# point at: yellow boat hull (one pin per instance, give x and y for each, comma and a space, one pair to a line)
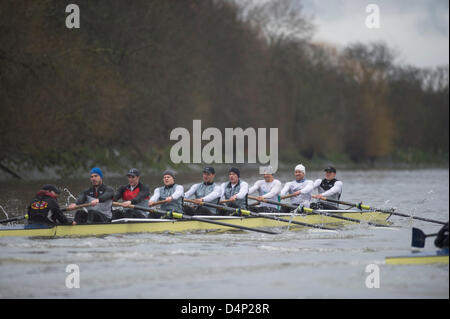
439, 257
177, 226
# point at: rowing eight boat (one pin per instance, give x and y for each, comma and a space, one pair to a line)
175, 226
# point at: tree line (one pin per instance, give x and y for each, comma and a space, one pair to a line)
112, 90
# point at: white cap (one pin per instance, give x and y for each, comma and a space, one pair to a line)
266, 170
300, 167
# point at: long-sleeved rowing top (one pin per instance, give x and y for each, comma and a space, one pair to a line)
331, 189
269, 191
103, 193
305, 186
138, 195
209, 192
175, 191
240, 190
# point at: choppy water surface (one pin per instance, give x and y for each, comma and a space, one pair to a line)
301, 264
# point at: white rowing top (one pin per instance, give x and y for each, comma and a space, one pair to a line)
269, 191
335, 190
305, 186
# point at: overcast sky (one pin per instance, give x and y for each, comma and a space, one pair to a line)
417, 29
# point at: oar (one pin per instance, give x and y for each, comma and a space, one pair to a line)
184, 216
312, 211
418, 237
250, 213
12, 219
361, 206
285, 197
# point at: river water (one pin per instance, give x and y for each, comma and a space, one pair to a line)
300, 264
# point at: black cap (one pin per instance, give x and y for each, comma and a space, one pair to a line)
209, 170
50, 187
235, 170
133, 172
330, 169
169, 172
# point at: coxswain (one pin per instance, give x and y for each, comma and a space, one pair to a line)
329, 187
206, 192
100, 196
235, 191
268, 188
299, 190
44, 208
170, 193
441, 240
135, 193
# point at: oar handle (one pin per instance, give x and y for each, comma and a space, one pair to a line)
256, 198
226, 201
274, 202
288, 196
193, 201
148, 209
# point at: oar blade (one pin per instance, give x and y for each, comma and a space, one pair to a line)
418, 238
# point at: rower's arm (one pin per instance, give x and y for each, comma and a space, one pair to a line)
336, 189
308, 187
144, 191
179, 192
155, 196
243, 191
119, 193
216, 193
274, 191
285, 189
317, 183
81, 199
254, 188
191, 191
107, 195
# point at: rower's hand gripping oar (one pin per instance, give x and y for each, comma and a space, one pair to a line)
387, 211
244, 212
175, 215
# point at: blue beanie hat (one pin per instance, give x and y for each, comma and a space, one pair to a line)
97, 171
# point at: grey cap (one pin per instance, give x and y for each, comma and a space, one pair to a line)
209, 170
133, 172
169, 172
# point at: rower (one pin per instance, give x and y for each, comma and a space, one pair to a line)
208, 191
235, 191
44, 208
135, 193
441, 240
100, 196
268, 188
298, 190
170, 193
329, 187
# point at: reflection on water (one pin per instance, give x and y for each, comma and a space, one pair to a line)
301, 264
